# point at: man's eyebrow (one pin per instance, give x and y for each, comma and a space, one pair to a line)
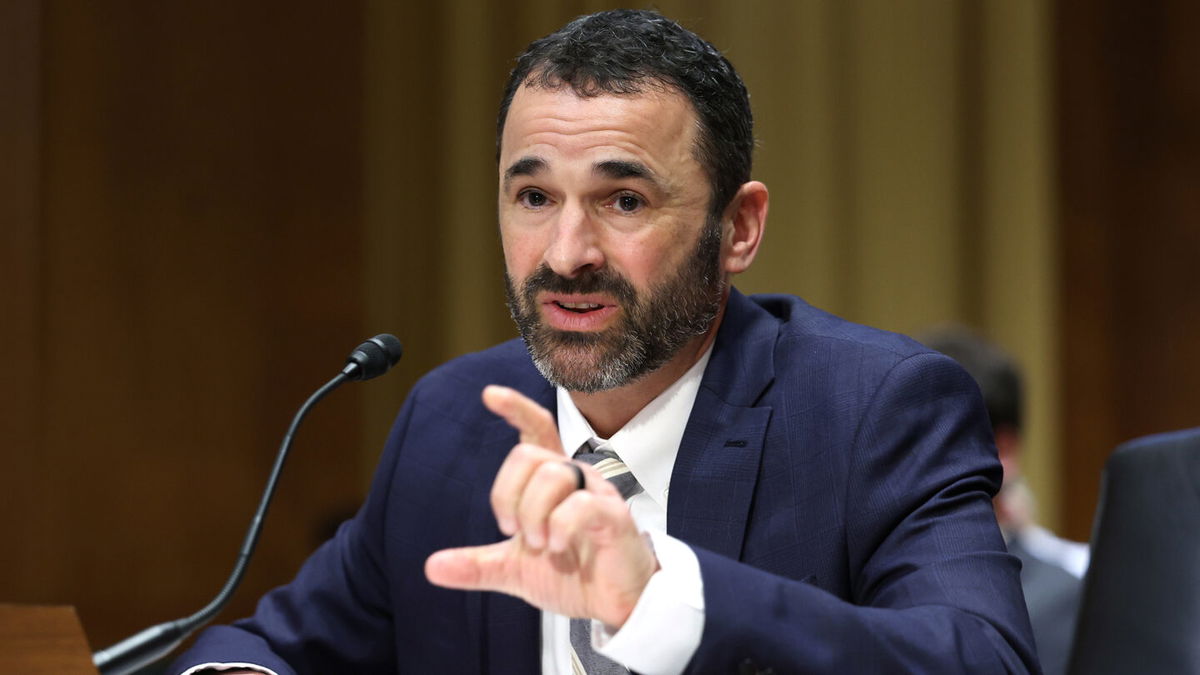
526, 166
621, 168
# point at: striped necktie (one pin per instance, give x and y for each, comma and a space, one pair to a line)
604, 460
584, 661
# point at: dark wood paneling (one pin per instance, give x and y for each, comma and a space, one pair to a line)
20, 278
200, 248
1129, 130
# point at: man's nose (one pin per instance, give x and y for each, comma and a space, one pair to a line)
576, 243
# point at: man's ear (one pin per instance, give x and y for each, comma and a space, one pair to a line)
747, 216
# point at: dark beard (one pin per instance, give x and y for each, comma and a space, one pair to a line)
650, 331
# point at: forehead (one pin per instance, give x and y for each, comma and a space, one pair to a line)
658, 126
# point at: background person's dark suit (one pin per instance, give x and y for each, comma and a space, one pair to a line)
823, 462
1052, 594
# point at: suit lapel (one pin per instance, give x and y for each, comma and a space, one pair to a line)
715, 474
716, 471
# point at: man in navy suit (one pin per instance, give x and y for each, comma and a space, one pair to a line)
829, 485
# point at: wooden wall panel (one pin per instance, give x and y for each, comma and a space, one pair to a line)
199, 256
20, 277
1129, 129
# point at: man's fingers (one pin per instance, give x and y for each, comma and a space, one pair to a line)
550, 484
531, 483
474, 568
535, 423
513, 479
596, 563
566, 520
600, 518
532, 480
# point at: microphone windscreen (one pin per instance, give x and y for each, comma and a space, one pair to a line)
373, 357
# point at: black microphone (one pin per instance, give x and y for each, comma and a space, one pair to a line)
370, 359
373, 357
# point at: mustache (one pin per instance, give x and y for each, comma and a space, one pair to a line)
603, 280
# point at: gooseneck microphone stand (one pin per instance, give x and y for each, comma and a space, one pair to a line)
370, 359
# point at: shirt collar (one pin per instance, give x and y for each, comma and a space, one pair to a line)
648, 443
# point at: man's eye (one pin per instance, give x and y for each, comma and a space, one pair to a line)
533, 198
628, 203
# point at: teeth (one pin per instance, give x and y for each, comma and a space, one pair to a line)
578, 305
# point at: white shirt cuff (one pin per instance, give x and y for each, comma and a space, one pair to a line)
663, 632
219, 667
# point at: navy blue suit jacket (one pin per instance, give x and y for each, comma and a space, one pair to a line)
834, 480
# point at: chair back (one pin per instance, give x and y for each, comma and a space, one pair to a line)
1140, 611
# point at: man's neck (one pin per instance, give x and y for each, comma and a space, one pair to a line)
609, 411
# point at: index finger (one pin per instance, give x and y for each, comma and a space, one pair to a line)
532, 421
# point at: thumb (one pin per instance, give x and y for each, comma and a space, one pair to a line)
475, 568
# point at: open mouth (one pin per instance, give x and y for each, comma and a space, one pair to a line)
579, 307
578, 314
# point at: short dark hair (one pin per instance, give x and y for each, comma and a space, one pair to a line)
994, 371
624, 52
